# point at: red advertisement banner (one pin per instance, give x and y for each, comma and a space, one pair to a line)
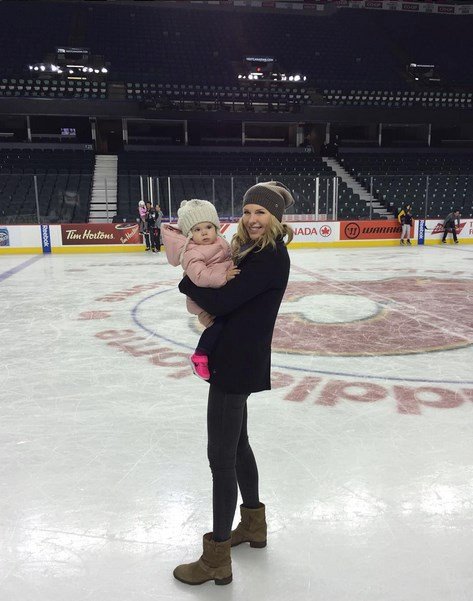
438, 229
371, 230
79, 234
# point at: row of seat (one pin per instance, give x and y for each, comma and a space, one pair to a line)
401, 99
61, 181
209, 175
434, 183
219, 175
192, 45
53, 88
141, 92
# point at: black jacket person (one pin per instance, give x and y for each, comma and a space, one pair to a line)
239, 365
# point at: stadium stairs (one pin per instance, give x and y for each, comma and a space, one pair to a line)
103, 205
358, 188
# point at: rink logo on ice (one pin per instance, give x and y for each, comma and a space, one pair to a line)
4, 237
359, 321
317, 390
45, 238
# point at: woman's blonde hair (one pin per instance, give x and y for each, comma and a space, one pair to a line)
275, 230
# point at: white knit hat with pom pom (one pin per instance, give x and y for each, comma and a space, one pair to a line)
192, 212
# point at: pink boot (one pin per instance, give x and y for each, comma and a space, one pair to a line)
200, 366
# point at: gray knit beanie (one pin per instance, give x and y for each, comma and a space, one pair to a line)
196, 211
273, 196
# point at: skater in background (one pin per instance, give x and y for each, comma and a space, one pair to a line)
157, 228
153, 221
206, 259
143, 216
405, 219
240, 365
450, 225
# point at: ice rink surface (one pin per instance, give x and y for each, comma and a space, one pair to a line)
364, 446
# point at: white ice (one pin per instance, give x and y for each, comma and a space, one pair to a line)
365, 448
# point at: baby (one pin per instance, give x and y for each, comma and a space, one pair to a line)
206, 259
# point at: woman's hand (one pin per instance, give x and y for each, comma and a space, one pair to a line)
232, 272
206, 319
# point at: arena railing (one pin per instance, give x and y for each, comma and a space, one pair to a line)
69, 197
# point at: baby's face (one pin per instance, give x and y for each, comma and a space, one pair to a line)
204, 233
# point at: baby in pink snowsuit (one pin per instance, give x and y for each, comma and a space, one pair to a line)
206, 258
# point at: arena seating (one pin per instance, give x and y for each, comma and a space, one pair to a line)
186, 46
53, 88
195, 174
190, 47
63, 179
399, 98
204, 94
413, 178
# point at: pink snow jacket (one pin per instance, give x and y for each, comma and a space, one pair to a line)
206, 265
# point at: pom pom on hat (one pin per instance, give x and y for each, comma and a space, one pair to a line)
273, 196
192, 212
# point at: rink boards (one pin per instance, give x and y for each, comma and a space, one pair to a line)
125, 237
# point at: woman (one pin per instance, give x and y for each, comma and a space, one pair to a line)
239, 365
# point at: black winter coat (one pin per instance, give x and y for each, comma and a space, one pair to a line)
240, 362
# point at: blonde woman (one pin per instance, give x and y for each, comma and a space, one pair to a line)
239, 365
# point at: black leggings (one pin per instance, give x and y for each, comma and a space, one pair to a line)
231, 459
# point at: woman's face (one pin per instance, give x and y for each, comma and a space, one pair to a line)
256, 220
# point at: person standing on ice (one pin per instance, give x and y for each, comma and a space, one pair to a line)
450, 225
239, 365
143, 213
205, 257
405, 219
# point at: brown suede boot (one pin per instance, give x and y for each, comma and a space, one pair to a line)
252, 528
214, 564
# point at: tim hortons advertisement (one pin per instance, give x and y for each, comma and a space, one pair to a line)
100, 233
371, 230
